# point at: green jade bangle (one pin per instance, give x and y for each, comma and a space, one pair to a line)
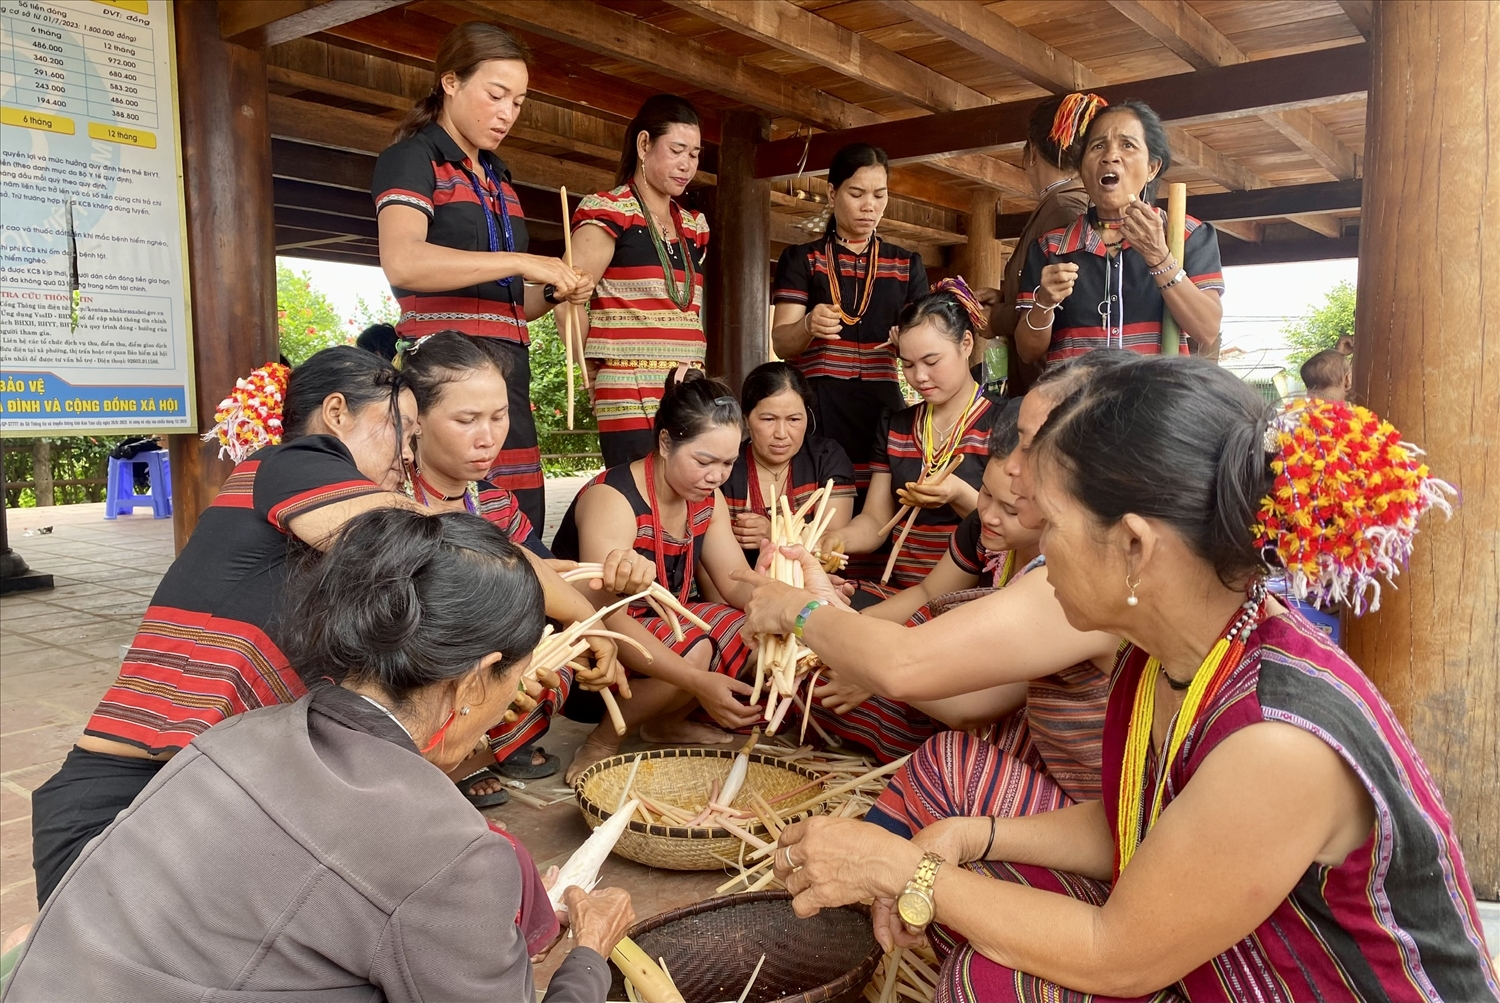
800, 624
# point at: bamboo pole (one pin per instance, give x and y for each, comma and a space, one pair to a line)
1171, 334
566, 328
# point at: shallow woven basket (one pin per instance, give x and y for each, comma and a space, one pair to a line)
682, 777
711, 949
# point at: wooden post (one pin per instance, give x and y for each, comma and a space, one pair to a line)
1427, 357
738, 283
981, 261
226, 154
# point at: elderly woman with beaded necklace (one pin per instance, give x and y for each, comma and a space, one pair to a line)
1267, 827
646, 316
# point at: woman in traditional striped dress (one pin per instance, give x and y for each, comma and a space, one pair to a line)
669, 508
782, 457
332, 436
934, 336
1267, 829
891, 688
646, 317
463, 415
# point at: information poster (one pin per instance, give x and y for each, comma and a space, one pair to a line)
94, 319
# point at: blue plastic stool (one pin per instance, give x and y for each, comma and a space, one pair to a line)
119, 494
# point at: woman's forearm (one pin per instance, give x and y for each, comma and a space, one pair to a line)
862, 535
1198, 313
792, 338
965, 498
663, 663
432, 268
1032, 342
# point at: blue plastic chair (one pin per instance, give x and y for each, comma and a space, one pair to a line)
119, 494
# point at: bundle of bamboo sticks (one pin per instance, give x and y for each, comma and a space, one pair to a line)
905, 974
928, 477
780, 658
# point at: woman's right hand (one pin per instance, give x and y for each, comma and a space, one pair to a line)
554, 272
823, 322
716, 694
838, 695
1057, 283
599, 919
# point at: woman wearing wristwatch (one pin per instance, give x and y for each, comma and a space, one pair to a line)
452, 237
1107, 279
839, 333
646, 315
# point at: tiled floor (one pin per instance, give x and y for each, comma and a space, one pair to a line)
59, 650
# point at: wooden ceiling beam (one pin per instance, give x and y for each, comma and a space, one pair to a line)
988, 35
1321, 224
1250, 231
1180, 27
1199, 97
258, 23
590, 26
1276, 252
1189, 151
785, 26
1361, 14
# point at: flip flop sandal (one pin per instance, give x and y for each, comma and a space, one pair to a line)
482, 801
519, 765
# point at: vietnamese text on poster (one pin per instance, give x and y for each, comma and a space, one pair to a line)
94, 328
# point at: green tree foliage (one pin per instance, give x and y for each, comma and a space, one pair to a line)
306, 321
383, 311
73, 459
549, 403
1322, 327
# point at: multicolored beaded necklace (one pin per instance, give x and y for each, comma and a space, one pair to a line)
935, 460
658, 535
755, 500
420, 491
1133, 821
681, 297
872, 264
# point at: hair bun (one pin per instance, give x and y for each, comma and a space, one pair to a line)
1345, 503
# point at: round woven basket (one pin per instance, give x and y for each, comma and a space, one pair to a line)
711, 949
682, 777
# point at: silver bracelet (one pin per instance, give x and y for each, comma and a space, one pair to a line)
1181, 274
1045, 327
1037, 302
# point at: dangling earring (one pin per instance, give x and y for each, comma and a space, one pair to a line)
1131, 600
437, 737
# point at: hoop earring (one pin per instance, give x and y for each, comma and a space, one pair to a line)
1131, 600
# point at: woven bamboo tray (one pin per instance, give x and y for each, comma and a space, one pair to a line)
711, 949
682, 777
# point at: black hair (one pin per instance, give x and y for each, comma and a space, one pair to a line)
460, 53
1039, 136
1005, 433
1174, 439
404, 600
430, 364
846, 162
1061, 379
380, 339
657, 116
772, 378
1157, 145
362, 377
944, 309
1325, 370
695, 405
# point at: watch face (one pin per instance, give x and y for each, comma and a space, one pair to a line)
915, 909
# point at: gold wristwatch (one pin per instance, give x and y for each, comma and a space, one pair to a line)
915, 904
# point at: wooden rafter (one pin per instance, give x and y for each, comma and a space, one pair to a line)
1198, 97
1361, 14
784, 25
1180, 27
258, 23
589, 26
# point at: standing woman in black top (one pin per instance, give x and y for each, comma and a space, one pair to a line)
839, 334
452, 237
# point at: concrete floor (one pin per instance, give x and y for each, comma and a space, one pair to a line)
60, 650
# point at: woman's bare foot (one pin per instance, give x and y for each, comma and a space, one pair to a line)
680, 732
592, 751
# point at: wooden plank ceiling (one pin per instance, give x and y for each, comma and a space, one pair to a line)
340, 83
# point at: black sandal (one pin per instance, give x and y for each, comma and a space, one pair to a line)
482, 801
518, 765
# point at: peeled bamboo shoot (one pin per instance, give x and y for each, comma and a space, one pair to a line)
582, 868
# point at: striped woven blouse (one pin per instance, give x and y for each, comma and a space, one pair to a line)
631, 316
898, 452
204, 651
816, 463
863, 350
1115, 302
429, 172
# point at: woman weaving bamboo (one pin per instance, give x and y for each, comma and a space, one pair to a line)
1107, 279
669, 508
1268, 828
463, 415
927, 459
968, 668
